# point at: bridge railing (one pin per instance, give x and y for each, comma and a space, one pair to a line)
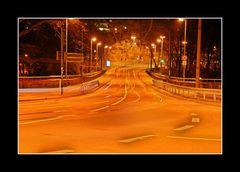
205, 94
204, 82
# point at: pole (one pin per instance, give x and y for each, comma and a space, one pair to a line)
91, 56
184, 46
169, 55
198, 52
61, 61
159, 56
161, 51
66, 46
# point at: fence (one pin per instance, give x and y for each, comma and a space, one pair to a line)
205, 94
204, 83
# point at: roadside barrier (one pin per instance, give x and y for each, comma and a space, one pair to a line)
205, 94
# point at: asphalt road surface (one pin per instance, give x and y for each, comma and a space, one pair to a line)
126, 115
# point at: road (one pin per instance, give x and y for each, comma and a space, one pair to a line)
126, 115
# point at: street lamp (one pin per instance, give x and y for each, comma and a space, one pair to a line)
91, 57
98, 44
162, 37
67, 44
155, 51
159, 41
184, 47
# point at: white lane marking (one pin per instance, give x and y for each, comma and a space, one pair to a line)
136, 138
104, 107
107, 86
41, 120
195, 119
107, 96
137, 95
194, 138
101, 102
62, 151
184, 127
122, 98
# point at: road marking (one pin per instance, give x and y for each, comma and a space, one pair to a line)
100, 108
108, 85
107, 96
41, 120
194, 138
184, 127
137, 95
195, 119
193, 114
125, 95
62, 151
136, 138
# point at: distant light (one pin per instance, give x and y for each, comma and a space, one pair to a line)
99, 43
214, 47
184, 42
115, 29
135, 43
26, 55
110, 47
108, 63
153, 45
106, 46
94, 51
158, 40
162, 37
181, 19
125, 27
94, 39
147, 47
101, 29
133, 37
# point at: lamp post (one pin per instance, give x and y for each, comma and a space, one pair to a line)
91, 58
66, 47
98, 44
155, 52
159, 41
184, 63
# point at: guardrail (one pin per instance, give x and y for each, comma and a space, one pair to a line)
204, 83
205, 94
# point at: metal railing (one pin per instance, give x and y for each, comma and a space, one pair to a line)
204, 83
205, 94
